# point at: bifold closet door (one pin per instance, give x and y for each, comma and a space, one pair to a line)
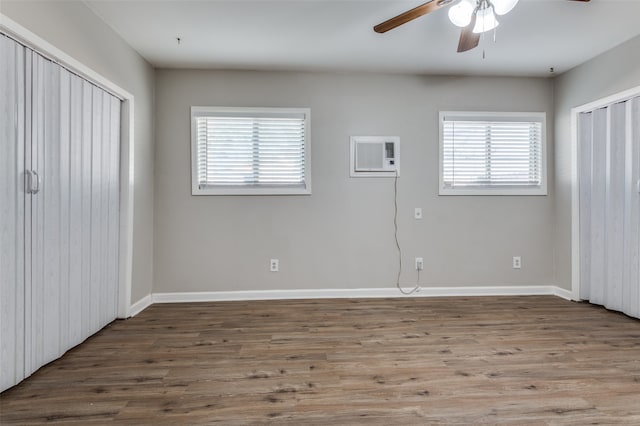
609, 159
631, 274
72, 235
59, 210
12, 222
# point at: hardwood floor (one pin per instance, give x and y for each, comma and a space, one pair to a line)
484, 360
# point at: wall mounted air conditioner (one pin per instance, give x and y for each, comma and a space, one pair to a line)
375, 156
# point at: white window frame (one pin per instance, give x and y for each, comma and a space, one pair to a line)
250, 189
494, 116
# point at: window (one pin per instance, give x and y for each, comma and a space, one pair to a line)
250, 151
492, 153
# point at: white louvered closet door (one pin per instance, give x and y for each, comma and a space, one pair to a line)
609, 180
62, 166
12, 219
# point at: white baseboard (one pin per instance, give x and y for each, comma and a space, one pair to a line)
561, 292
140, 305
219, 296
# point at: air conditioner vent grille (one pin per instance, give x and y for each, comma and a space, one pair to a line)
375, 156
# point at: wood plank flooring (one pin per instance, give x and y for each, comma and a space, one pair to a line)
461, 361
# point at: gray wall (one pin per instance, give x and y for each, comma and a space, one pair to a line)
614, 71
73, 28
342, 235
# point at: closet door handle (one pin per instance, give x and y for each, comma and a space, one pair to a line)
35, 188
28, 181
32, 184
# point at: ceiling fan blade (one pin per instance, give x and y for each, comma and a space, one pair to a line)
468, 39
410, 15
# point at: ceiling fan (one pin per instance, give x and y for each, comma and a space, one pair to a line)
473, 16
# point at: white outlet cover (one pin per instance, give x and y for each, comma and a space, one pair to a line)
274, 265
517, 262
417, 213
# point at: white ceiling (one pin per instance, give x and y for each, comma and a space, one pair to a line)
337, 35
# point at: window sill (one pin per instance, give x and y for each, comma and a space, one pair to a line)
252, 190
496, 191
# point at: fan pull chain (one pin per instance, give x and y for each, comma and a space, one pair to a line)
484, 56
495, 37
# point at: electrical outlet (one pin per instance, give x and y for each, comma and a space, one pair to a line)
417, 213
419, 264
517, 262
274, 265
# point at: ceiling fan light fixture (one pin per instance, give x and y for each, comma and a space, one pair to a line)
485, 21
460, 13
502, 7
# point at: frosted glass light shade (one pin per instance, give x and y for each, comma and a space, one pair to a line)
460, 14
502, 7
485, 21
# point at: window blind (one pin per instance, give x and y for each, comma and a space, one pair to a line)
257, 149
491, 154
